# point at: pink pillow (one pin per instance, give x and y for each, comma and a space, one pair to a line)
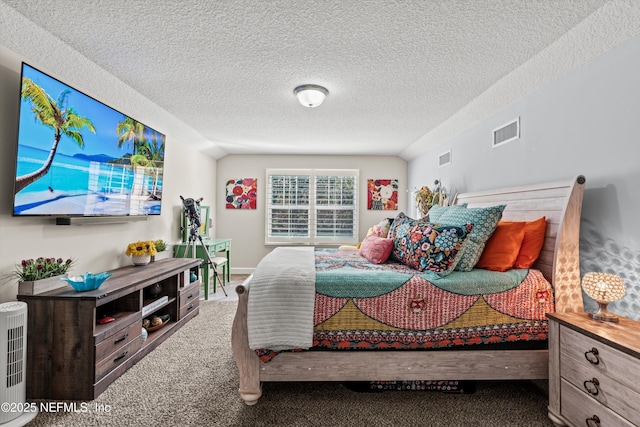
376, 249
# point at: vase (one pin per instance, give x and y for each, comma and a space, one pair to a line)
34, 287
154, 290
141, 259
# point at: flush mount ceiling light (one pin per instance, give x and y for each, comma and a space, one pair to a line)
310, 95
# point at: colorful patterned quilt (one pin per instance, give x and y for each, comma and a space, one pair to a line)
361, 305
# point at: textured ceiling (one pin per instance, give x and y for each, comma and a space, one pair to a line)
395, 70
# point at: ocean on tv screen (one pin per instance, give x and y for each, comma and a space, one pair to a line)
77, 186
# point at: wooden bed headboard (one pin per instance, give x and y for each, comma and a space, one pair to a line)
561, 203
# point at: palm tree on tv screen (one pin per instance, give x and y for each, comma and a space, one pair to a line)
56, 115
130, 131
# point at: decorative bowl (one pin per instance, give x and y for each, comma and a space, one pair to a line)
88, 282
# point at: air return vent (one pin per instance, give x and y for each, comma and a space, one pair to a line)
506, 133
444, 158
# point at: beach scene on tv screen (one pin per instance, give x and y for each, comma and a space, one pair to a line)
77, 156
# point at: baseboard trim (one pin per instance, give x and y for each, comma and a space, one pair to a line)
242, 270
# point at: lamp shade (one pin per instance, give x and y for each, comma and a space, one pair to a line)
604, 288
311, 95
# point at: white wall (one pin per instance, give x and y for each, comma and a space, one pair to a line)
95, 248
584, 123
246, 227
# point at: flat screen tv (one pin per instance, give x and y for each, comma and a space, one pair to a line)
79, 157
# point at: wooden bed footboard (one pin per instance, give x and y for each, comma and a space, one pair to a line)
560, 202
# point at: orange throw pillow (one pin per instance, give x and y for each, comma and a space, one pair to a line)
503, 247
532, 243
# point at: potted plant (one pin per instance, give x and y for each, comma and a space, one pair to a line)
141, 251
41, 274
161, 248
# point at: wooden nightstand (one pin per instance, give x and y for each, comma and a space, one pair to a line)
594, 371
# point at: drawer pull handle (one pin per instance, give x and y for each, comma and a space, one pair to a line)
121, 356
593, 421
189, 296
592, 356
124, 337
190, 307
592, 386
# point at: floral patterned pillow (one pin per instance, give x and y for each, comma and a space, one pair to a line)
426, 246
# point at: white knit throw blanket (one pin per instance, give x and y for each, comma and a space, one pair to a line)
281, 300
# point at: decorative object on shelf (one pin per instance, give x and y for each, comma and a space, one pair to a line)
603, 288
242, 193
141, 252
140, 259
87, 282
106, 319
426, 198
156, 322
161, 249
144, 335
160, 245
382, 194
41, 268
193, 277
40, 275
310, 95
154, 290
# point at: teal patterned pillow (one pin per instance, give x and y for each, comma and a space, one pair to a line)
426, 246
437, 211
484, 220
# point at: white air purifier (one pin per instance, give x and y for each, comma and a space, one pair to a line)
14, 409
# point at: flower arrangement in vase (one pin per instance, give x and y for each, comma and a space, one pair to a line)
41, 274
426, 198
141, 251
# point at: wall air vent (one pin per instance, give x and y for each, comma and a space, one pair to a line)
506, 133
444, 158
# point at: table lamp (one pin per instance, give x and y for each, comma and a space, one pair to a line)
603, 288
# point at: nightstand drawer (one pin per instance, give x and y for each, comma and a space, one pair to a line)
608, 361
578, 409
600, 387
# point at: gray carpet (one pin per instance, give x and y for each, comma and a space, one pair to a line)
191, 380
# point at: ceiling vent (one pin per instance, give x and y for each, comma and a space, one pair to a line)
444, 158
506, 133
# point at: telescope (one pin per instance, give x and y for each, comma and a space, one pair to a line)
192, 211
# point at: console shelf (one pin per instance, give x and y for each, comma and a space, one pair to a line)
71, 356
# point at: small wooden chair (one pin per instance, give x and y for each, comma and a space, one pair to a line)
220, 270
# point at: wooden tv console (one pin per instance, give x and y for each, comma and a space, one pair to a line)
71, 356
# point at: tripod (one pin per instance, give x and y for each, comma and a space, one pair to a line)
194, 234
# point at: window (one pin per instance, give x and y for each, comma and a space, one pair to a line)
312, 206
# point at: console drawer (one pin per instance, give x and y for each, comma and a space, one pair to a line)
189, 293
117, 340
188, 307
113, 360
